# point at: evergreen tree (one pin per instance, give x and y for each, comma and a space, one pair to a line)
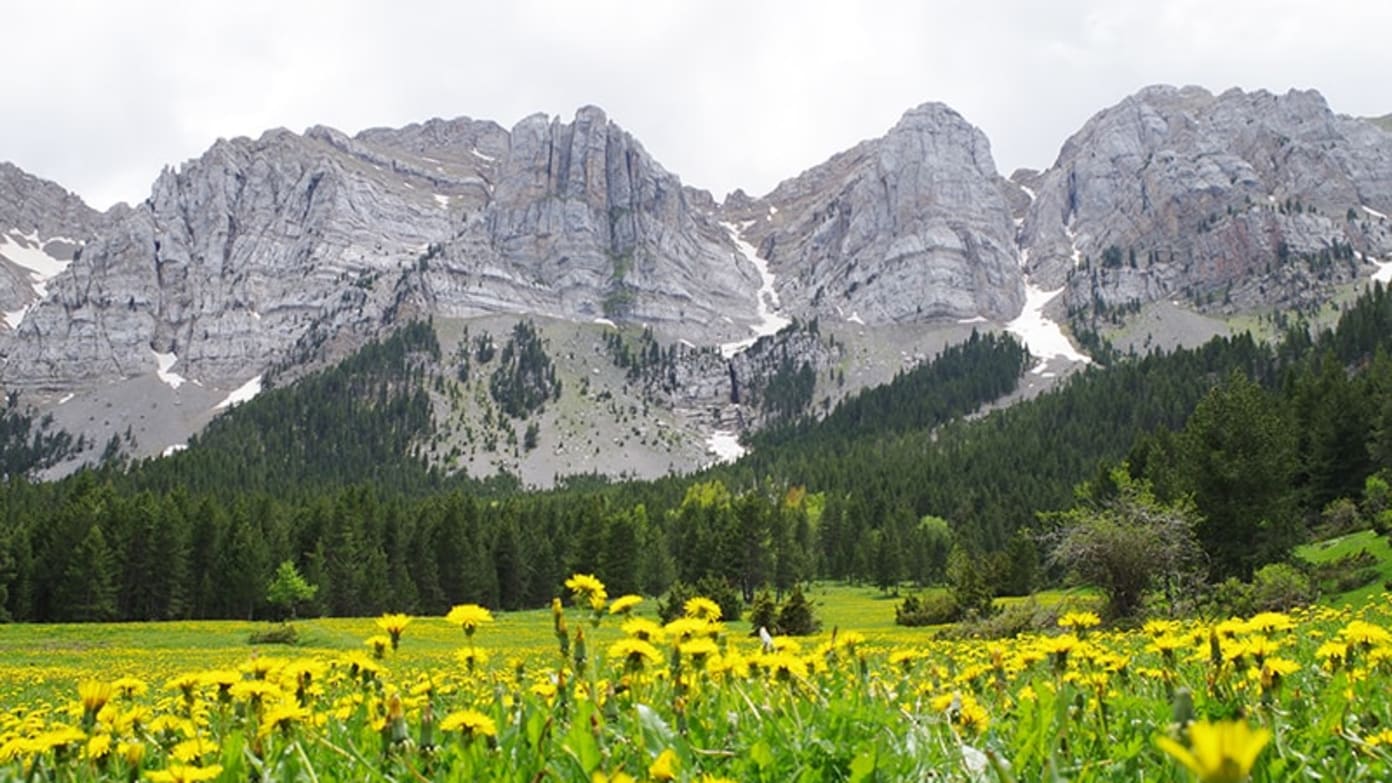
1239, 460
88, 590
968, 583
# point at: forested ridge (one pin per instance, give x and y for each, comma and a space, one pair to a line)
324, 474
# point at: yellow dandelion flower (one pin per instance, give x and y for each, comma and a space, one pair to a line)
222, 679
179, 773
1273, 669
1062, 644
193, 749
471, 659
731, 664
469, 617
1221, 752
972, 716
702, 608
172, 725
94, 695
393, 625
664, 767
1166, 644
849, 640
262, 667
131, 752
1079, 620
587, 587
378, 644
787, 644
56, 737
684, 629
255, 691
625, 604
783, 666
944, 702
643, 628
1159, 627
699, 649
618, 776
904, 659
129, 687
546, 691
1270, 622
185, 684
1362, 632
284, 717
472, 722
131, 721
98, 747
635, 653
1332, 653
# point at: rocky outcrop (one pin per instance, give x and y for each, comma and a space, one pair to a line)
273, 256
290, 249
914, 226
1239, 199
41, 228
227, 263
584, 224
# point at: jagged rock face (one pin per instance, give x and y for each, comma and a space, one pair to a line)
229, 261
584, 224
912, 226
1210, 193
41, 227
287, 249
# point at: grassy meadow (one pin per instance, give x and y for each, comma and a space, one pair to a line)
482, 697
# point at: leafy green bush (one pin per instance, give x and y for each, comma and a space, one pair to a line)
284, 633
1346, 573
932, 609
1231, 597
1026, 617
1280, 587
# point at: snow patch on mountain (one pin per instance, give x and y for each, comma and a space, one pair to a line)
725, 445
767, 303
164, 362
241, 394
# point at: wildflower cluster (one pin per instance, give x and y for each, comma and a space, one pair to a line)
622, 697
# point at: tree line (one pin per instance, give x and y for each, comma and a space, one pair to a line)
324, 474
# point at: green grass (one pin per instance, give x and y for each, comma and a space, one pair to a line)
1335, 548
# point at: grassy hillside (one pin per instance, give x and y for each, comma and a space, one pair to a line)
1345, 547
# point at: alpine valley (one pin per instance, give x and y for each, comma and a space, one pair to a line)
587, 313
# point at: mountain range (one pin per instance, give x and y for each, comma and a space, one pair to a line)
669, 322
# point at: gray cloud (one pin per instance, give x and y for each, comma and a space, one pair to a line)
99, 96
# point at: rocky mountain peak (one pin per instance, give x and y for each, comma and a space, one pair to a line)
42, 226
1177, 192
913, 226
267, 252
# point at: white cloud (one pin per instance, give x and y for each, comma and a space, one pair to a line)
727, 94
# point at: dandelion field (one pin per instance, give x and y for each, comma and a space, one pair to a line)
502, 698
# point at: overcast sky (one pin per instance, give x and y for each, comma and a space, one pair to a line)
98, 96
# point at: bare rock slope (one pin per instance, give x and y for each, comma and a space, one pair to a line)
1241, 199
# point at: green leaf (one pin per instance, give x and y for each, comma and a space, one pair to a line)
762, 755
863, 765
